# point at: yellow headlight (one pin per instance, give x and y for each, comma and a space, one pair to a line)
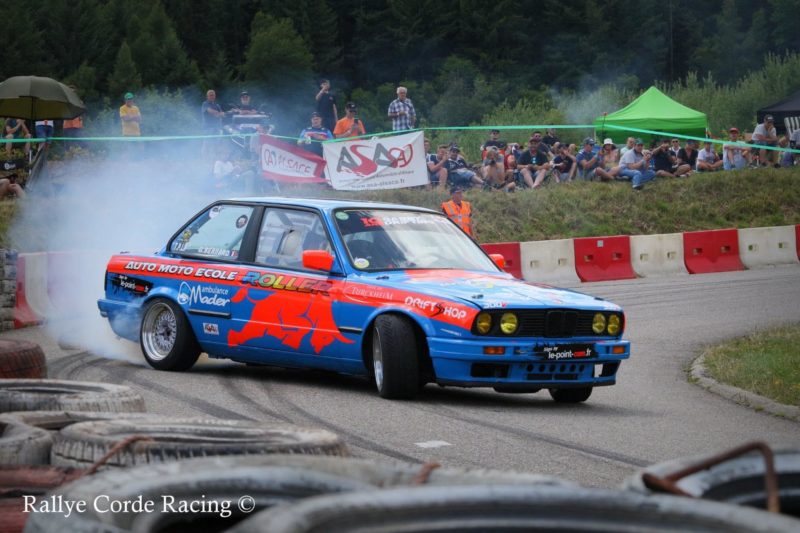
613, 324
484, 323
508, 323
599, 323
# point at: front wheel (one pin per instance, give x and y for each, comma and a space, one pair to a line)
571, 395
394, 358
167, 339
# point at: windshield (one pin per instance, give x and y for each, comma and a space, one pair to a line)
383, 239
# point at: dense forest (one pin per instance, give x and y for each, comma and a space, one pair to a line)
461, 60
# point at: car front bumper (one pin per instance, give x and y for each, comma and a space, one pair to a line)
463, 363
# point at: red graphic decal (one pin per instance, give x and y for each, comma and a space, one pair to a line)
289, 320
367, 165
401, 157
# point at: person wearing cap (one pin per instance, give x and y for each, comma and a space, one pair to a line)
734, 154
533, 162
326, 105
15, 128
494, 140
459, 210
635, 165
402, 111
458, 173
765, 135
610, 160
665, 164
708, 159
590, 163
349, 125
130, 117
245, 107
311, 138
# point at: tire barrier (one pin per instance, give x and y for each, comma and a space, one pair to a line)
510, 252
267, 479
603, 258
62, 395
711, 251
507, 508
738, 480
767, 246
657, 255
549, 261
16, 481
83, 444
21, 359
21, 444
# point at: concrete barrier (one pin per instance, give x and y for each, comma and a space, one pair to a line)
657, 255
711, 251
510, 252
768, 246
603, 258
548, 261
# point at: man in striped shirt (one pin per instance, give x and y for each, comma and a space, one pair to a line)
402, 112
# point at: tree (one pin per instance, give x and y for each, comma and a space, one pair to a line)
277, 55
83, 78
124, 77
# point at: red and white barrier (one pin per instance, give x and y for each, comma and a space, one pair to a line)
510, 252
603, 258
768, 246
712, 251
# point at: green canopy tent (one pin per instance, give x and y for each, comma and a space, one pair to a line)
653, 110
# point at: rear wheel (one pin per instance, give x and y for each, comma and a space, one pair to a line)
394, 358
167, 339
571, 395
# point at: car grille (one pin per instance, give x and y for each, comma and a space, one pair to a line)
554, 323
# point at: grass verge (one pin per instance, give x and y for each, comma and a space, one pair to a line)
764, 363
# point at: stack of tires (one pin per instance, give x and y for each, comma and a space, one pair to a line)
8, 290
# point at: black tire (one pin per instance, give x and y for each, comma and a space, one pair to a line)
571, 395
62, 395
21, 360
395, 367
82, 444
57, 420
166, 337
507, 508
21, 444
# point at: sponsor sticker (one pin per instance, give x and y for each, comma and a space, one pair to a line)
196, 294
342, 215
360, 262
210, 329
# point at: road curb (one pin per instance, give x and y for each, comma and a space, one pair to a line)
700, 375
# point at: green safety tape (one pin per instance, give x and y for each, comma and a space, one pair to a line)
612, 127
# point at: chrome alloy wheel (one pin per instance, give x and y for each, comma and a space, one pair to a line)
377, 358
159, 331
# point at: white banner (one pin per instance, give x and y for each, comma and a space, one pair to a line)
385, 163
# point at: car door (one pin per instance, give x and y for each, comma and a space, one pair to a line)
284, 310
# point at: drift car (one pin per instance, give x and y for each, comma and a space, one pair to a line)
396, 293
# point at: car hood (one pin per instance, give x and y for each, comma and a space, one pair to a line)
485, 290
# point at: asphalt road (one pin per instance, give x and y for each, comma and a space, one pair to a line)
651, 415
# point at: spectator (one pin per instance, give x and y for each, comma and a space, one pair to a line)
794, 143
350, 125
610, 165
550, 138
9, 187
233, 177
457, 172
312, 137
629, 145
590, 163
533, 162
402, 112
675, 148
459, 211
786, 158
494, 140
437, 172
211, 114
734, 155
16, 128
688, 154
73, 128
564, 165
494, 170
635, 165
765, 135
665, 164
513, 149
130, 117
326, 105
244, 107
708, 159
44, 130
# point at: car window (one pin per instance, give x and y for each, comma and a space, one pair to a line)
286, 234
217, 233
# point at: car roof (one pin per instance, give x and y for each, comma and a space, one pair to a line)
329, 204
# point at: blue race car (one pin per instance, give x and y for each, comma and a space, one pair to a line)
396, 293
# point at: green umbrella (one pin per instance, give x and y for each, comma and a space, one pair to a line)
36, 98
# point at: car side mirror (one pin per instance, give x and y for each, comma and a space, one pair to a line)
499, 260
317, 260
